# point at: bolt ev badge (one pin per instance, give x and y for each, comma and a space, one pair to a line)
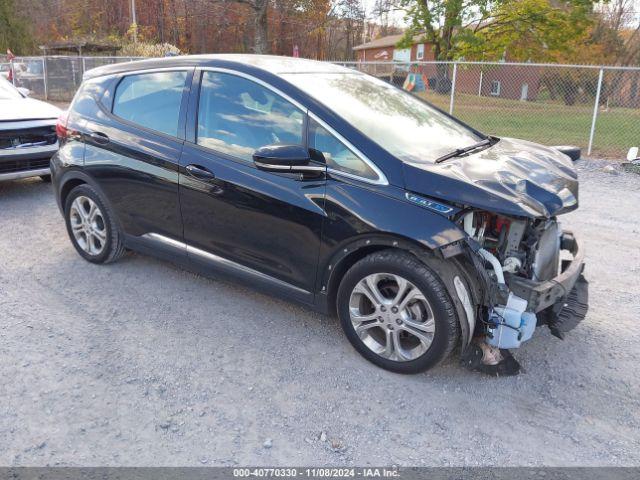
430, 204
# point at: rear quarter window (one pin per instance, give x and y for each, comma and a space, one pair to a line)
151, 100
85, 100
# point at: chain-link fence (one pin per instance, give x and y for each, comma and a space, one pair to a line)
595, 108
54, 78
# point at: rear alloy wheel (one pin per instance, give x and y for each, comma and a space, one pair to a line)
396, 312
90, 225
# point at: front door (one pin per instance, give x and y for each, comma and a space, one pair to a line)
236, 217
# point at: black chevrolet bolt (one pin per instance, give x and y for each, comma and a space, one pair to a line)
332, 188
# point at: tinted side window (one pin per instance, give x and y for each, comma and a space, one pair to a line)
237, 116
151, 100
337, 155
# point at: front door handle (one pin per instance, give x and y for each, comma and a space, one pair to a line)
99, 137
200, 173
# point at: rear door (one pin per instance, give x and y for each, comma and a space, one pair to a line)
260, 224
133, 150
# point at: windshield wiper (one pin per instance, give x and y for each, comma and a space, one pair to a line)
487, 142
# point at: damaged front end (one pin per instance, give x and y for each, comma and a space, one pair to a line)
523, 269
532, 275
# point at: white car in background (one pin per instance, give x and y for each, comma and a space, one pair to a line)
27, 134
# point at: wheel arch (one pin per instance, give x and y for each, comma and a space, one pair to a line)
447, 270
66, 187
74, 178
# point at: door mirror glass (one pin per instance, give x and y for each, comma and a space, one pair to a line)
284, 158
633, 154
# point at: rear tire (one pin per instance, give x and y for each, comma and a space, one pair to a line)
411, 311
91, 226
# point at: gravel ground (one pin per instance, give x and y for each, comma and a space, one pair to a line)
141, 363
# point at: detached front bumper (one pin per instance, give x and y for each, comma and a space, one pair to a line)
545, 294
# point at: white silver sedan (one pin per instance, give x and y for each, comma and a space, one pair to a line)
27, 134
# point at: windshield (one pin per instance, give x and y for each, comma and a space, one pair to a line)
8, 91
397, 121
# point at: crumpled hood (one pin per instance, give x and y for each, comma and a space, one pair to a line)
513, 177
26, 109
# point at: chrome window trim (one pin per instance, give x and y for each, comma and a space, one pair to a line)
137, 72
213, 258
381, 180
260, 82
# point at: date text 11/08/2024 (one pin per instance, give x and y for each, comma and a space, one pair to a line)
369, 472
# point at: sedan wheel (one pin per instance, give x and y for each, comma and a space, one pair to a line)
392, 317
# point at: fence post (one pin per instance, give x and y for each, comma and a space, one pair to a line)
13, 72
480, 85
453, 88
45, 78
595, 112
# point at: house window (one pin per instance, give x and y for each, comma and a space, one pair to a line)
495, 88
420, 52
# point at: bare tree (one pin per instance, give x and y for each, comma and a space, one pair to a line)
259, 9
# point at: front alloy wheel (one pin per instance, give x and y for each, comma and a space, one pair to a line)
392, 317
397, 312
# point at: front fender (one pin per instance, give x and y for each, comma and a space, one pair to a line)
360, 220
352, 211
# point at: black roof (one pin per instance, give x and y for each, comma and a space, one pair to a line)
269, 63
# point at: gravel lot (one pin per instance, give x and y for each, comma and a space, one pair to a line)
141, 363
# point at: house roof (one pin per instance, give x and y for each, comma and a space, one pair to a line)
388, 41
78, 47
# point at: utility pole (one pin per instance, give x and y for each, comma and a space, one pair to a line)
134, 21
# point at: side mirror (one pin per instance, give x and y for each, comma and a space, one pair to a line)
24, 91
633, 154
285, 158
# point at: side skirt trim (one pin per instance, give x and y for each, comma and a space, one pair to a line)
221, 261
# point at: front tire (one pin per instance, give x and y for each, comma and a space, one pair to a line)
91, 226
397, 312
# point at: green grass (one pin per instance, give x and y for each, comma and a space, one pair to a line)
549, 123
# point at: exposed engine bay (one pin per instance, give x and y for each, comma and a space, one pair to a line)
533, 270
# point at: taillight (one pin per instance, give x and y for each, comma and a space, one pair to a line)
61, 126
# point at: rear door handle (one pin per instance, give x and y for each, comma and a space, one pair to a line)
200, 173
99, 137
